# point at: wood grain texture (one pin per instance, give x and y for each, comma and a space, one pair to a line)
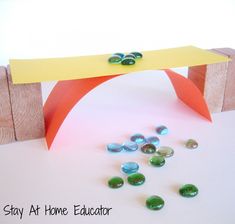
27, 110
211, 80
7, 133
229, 94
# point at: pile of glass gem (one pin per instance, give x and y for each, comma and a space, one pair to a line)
128, 59
148, 145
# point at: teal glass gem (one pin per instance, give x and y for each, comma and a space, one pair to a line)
191, 144
114, 147
130, 146
162, 130
148, 148
165, 151
154, 202
115, 182
119, 54
137, 54
157, 161
115, 59
136, 179
153, 140
128, 61
138, 138
188, 190
129, 167
130, 56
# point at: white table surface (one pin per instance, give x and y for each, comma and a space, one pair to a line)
77, 168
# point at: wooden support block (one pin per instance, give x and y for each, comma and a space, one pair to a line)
7, 133
27, 110
211, 81
229, 94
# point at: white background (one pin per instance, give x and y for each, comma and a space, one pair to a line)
76, 170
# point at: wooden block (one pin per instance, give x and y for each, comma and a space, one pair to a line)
7, 133
27, 110
211, 80
229, 94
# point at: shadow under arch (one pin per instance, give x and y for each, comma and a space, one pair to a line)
66, 94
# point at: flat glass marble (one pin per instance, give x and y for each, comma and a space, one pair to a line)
157, 161
115, 182
130, 56
136, 179
138, 138
148, 148
115, 59
128, 61
162, 130
119, 54
153, 140
137, 54
165, 151
191, 144
188, 190
114, 147
154, 202
130, 146
129, 167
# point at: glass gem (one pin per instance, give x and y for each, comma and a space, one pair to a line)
148, 148
162, 130
136, 179
128, 61
155, 202
130, 146
191, 144
188, 190
115, 182
153, 140
165, 151
130, 56
157, 161
114, 147
137, 54
120, 54
115, 59
129, 167
138, 138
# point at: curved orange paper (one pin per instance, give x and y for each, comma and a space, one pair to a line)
66, 94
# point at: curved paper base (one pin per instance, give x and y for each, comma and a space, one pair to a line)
66, 94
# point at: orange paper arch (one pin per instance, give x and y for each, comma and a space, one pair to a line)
66, 94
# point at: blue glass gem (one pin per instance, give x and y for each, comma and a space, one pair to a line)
153, 140
129, 167
130, 146
162, 130
114, 147
120, 54
138, 138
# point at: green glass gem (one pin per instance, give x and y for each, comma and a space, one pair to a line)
115, 182
155, 202
128, 61
137, 54
148, 148
191, 144
115, 59
157, 161
130, 56
165, 151
188, 190
136, 179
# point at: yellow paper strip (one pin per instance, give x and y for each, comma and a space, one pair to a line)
39, 70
